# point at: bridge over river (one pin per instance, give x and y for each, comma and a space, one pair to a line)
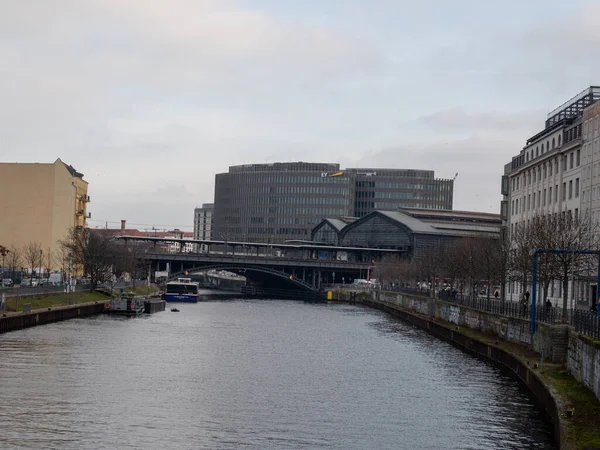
303, 267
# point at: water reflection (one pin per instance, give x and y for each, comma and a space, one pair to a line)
256, 375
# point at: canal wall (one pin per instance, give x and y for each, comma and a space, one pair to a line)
550, 341
584, 361
18, 321
489, 352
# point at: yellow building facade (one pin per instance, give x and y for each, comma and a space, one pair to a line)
40, 203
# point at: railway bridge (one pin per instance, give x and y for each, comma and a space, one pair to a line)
300, 267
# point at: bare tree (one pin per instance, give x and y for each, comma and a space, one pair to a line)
33, 255
3, 252
570, 234
391, 269
130, 257
14, 259
430, 263
93, 251
48, 260
62, 259
522, 245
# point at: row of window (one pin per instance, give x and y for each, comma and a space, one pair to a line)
547, 169
544, 197
536, 153
514, 227
569, 135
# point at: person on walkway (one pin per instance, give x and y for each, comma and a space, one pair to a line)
548, 305
525, 303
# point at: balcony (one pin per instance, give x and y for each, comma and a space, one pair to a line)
85, 198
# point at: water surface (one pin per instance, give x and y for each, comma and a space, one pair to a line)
235, 374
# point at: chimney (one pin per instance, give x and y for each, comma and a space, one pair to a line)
123, 224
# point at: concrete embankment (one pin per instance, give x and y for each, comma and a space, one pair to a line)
18, 321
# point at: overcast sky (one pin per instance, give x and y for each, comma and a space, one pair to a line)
151, 98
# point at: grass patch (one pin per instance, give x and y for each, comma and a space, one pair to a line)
58, 299
583, 427
143, 289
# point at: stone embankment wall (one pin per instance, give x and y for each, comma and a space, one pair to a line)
13, 322
549, 340
584, 361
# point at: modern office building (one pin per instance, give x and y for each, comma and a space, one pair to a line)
389, 189
41, 203
284, 201
203, 219
555, 172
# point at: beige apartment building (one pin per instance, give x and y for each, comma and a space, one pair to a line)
40, 202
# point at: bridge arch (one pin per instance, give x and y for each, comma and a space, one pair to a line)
242, 269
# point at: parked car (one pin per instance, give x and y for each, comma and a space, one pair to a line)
7, 282
29, 282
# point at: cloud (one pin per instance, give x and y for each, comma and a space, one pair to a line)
458, 119
479, 162
139, 94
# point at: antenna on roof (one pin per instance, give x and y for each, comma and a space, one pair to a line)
455, 175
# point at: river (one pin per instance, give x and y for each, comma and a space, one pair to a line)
239, 374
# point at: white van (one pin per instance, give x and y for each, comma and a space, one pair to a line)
55, 279
6, 282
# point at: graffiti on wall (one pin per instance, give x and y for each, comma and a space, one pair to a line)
454, 315
472, 319
518, 332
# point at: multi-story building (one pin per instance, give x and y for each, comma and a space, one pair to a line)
550, 174
590, 185
279, 201
203, 218
284, 201
40, 204
390, 189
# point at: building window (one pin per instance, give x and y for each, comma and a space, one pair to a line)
578, 157
537, 152
564, 193
553, 142
576, 187
544, 198
559, 140
550, 195
570, 188
571, 160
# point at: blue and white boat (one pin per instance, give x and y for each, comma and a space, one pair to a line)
182, 290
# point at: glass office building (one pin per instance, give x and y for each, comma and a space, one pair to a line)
284, 201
